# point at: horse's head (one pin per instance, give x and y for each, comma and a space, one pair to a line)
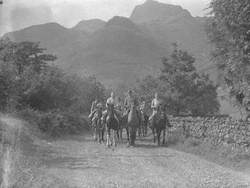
161, 112
133, 104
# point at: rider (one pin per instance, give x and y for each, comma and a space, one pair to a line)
131, 98
93, 108
110, 101
119, 105
98, 112
143, 108
155, 104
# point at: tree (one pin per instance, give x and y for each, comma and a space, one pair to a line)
21, 63
181, 87
24, 54
229, 30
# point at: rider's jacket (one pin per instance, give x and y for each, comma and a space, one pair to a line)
143, 107
118, 106
129, 100
110, 101
155, 103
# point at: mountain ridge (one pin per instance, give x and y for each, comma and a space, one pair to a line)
123, 48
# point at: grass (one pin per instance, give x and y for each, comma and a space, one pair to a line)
222, 154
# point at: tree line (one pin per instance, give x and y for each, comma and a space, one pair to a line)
32, 86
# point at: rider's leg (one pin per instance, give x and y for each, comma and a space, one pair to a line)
152, 116
116, 116
105, 113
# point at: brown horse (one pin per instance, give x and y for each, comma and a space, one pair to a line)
133, 123
159, 124
112, 124
123, 124
99, 128
143, 129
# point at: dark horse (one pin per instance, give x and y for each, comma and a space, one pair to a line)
112, 124
123, 124
99, 127
159, 124
143, 129
133, 123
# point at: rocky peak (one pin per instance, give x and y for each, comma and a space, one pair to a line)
152, 11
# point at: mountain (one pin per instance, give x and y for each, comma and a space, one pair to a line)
120, 52
55, 38
152, 11
123, 49
172, 24
89, 26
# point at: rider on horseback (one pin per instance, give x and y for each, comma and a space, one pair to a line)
110, 102
155, 105
93, 109
96, 111
129, 100
143, 108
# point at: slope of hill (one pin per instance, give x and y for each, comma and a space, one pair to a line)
123, 49
89, 26
171, 24
152, 11
54, 37
120, 51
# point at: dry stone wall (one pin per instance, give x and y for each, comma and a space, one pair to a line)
220, 130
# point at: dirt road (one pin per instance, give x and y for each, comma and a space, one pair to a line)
80, 162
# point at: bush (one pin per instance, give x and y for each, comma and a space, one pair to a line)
55, 123
44, 94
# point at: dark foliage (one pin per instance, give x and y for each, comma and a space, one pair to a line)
229, 30
183, 90
28, 81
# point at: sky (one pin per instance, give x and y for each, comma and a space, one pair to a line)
17, 14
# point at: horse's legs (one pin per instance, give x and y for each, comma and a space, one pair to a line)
120, 133
99, 136
108, 137
115, 137
146, 128
153, 131
117, 134
127, 130
158, 137
140, 131
130, 135
133, 136
95, 134
164, 135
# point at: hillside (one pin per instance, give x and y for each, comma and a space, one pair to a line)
122, 49
172, 24
89, 26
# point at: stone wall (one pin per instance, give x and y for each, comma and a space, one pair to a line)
219, 130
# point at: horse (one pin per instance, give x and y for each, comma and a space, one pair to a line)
159, 124
99, 128
123, 124
133, 123
112, 124
143, 129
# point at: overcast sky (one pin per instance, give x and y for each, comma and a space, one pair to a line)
17, 14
